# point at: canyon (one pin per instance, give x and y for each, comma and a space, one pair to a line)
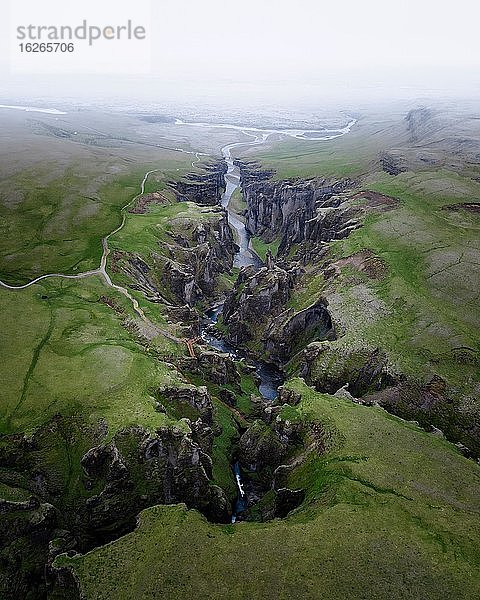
250, 341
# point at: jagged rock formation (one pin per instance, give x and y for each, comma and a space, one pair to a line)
196, 398
295, 210
392, 164
257, 295
364, 375
273, 437
139, 469
205, 189
260, 447
218, 367
255, 314
292, 331
430, 405
186, 270
107, 486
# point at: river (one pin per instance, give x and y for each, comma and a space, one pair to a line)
269, 376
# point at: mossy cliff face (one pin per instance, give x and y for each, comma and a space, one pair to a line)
138, 468
258, 295
202, 188
26, 532
295, 210
189, 249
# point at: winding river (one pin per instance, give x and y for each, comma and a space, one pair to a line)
270, 378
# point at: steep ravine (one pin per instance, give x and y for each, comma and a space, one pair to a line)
123, 472
257, 308
269, 376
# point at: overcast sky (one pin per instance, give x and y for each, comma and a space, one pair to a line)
259, 43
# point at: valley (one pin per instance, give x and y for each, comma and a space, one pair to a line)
240, 360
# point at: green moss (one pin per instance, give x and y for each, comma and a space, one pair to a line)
261, 248
13, 494
420, 308
68, 353
390, 510
57, 226
290, 413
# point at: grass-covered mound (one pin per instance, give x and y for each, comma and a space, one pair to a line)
390, 512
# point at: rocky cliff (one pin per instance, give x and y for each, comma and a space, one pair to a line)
295, 210
138, 469
185, 267
257, 297
202, 188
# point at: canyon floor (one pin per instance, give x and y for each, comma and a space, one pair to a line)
128, 410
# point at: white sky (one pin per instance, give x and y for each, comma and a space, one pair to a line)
318, 34
258, 42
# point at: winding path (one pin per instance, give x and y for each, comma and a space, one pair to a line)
245, 255
102, 269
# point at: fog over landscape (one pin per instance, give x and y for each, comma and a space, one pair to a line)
252, 53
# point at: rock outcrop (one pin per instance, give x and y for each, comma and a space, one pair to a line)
187, 268
258, 295
260, 447
196, 398
392, 164
255, 314
294, 330
430, 405
216, 366
138, 469
295, 210
202, 188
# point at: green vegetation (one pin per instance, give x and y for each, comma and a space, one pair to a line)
391, 511
424, 305
261, 248
56, 226
66, 352
143, 233
153, 236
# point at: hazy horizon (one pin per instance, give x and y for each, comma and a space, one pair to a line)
255, 53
